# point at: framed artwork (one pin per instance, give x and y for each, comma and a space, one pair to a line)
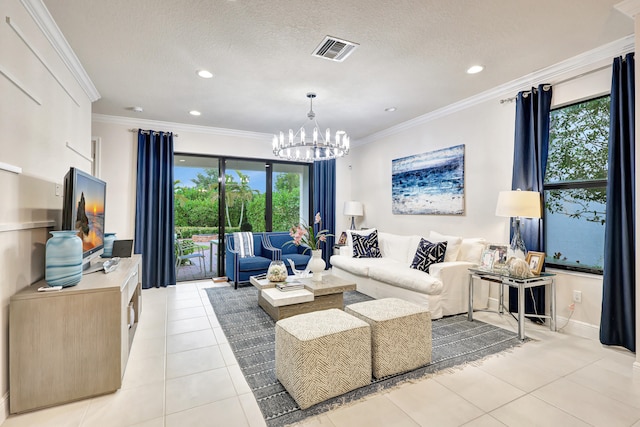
488, 257
429, 184
343, 238
535, 261
500, 255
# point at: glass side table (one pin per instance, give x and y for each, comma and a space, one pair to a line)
505, 279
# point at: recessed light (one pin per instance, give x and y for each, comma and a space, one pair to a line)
390, 109
136, 109
194, 113
475, 69
205, 74
182, 160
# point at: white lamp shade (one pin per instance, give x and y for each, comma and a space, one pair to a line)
524, 204
353, 208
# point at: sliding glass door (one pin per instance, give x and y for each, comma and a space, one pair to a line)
215, 196
197, 217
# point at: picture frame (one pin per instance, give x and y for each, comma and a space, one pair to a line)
343, 239
487, 259
535, 260
500, 255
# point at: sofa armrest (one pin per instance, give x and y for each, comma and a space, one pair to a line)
443, 270
454, 276
269, 250
272, 252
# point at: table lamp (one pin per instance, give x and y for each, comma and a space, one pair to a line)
353, 209
518, 204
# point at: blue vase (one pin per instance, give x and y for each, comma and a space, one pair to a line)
63, 259
109, 238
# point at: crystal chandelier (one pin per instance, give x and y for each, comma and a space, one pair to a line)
311, 147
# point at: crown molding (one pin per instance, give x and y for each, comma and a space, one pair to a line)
578, 64
630, 8
51, 31
178, 127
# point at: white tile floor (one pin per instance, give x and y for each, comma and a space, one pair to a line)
182, 372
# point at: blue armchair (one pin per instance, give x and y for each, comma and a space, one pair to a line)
239, 269
278, 240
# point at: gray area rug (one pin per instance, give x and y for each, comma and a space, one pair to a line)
251, 335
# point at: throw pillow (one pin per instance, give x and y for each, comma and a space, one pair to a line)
366, 246
428, 253
453, 244
243, 243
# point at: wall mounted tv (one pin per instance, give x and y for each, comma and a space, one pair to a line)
83, 211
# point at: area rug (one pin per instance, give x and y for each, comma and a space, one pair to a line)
251, 335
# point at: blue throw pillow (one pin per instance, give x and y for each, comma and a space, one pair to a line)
428, 253
366, 246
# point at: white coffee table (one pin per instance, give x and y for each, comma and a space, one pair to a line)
315, 296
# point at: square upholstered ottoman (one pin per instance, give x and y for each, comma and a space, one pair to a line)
400, 334
322, 354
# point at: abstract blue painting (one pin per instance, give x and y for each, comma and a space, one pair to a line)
429, 183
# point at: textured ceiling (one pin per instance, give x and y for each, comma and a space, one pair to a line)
412, 55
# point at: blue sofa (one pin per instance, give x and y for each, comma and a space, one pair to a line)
239, 269
278, 240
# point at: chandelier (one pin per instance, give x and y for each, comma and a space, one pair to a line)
317, 145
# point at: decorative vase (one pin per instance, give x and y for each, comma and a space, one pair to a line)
277, 271
63, 259
109, 238
316, 265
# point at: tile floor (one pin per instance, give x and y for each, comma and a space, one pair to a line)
182, 372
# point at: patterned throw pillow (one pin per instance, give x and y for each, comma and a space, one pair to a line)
366, 246
243, 243
428, 253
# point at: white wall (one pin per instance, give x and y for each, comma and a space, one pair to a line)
38, 116
487, 131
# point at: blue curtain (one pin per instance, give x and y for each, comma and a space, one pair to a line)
529, 164
324, 200
617, 325
154, 209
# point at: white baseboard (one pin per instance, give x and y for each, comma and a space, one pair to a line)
4, 408
574, 327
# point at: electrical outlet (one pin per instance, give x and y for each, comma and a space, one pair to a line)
577, 296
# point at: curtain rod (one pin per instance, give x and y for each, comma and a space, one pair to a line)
568, 79
146, 132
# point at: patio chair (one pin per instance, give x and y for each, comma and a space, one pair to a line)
188, 250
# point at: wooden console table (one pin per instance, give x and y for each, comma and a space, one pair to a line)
74, 343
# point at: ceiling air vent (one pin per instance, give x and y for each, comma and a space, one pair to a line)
334, 49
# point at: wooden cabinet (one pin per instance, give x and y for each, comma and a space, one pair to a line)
74, 343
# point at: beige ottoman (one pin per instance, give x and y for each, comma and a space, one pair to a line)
322, 354
400, 334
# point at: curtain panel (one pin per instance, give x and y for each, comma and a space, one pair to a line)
154, 233
617, 325
324, 201
531, 147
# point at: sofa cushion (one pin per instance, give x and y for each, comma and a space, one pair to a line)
396, 247
254, 263
453, 244
471, 250
397, 274
366, 246
357, 266
428, 253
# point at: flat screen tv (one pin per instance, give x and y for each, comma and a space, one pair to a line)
83, 211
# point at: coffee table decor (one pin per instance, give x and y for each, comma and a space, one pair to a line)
251, 334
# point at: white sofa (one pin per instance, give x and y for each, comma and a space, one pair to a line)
443, 291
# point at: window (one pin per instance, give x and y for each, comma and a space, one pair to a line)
575, 186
